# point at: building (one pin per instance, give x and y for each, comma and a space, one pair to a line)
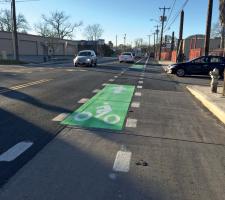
32, 47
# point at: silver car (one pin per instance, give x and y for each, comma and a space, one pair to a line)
85, 58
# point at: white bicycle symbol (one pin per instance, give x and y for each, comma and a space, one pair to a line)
101, 111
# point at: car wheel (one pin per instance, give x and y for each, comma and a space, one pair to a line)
95, 64
75, 65
180, 72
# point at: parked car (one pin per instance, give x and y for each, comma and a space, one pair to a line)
85, 58
198, 66
126, 57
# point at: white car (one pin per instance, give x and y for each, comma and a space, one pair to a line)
86, 57
126, 57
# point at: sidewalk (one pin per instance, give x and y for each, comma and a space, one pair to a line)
166, 62
215, 103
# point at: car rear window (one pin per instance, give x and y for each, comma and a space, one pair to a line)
126, 54
84, 53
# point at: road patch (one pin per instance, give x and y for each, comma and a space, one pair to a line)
106, 110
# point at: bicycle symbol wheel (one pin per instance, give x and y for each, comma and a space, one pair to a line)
112, 119
83, 116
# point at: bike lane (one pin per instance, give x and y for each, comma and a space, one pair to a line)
106, 110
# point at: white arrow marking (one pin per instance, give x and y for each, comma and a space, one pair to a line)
15, 151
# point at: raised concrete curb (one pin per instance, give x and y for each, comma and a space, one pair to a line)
211, 104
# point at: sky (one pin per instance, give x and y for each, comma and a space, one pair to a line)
118, 17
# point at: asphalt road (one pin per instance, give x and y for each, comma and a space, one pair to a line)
177, 146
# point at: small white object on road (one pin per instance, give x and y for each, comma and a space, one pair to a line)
135, 105
84, 100
138, 94
131, 123
60, 117
95, 91
122, 161
15, 151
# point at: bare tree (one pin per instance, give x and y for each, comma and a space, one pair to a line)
93, 32
216, 30
6, 22
56, 25
138, 42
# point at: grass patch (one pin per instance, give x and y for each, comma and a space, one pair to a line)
11, 62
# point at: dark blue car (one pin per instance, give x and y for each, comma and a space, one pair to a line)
199, 66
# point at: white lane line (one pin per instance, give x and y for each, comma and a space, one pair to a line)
84, 100
95, 91
135, 105
104, 84
139, 61
141, 78
138, 94
115, 76
140, 82
122, 161
131, 123
60, 117
15, 151
111, 80
139, 87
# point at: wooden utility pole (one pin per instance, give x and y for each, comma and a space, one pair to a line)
180, 40
157, 40
163, 19
154, 43
208, 27
172, 42
149, 42
14, 31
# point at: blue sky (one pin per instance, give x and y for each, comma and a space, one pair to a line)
118, 17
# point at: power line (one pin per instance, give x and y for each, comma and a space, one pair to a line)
176, 16
169, 16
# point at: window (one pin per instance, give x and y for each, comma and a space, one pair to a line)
216, 60
201, 60
85, 53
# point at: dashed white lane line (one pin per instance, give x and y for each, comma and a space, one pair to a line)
104, 84
111, 80
138, 94
115, 76
131, 123
141, 78
95, 91
15, 151
60, 117
135, 105
122, 161
84, 100
140, 82
139, 87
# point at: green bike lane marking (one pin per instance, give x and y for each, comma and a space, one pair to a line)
138, 67
106, 110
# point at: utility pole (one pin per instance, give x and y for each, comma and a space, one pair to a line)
172, 42
154, 43
208, 27
157, 39
14, 31
149, 42
163, 19
116, 42
180, 40
125, 37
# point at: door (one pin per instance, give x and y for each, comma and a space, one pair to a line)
199, 66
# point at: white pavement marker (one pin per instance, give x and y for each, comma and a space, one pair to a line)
122, 161
131, 123
95, 91
104, 84
141, 78
140, 82
60, 117
84, 100
111, 80
135, 105
137, 94
139, 87
15, 151
115, 76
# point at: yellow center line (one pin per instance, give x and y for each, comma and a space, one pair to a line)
17, 87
